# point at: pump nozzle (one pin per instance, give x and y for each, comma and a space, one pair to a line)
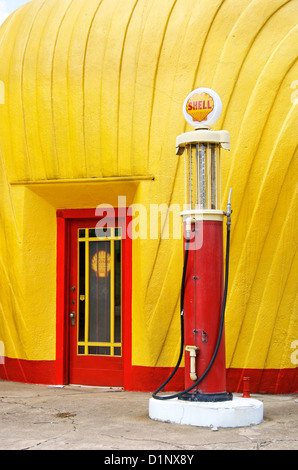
229, 210
189, 222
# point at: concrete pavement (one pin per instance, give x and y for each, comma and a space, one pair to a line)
40, 417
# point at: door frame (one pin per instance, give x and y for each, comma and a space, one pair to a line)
64, 217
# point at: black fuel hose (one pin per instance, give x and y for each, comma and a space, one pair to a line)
181, 322
222, 319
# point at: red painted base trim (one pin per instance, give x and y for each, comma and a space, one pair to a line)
33, 372
275, 381
148, 379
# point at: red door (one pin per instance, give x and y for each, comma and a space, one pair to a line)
99, 297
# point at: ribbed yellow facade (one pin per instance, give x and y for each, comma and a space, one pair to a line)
93, 104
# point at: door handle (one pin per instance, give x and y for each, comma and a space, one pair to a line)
72, 317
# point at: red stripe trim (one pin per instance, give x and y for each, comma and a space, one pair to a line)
148, 379
275, 381
33, 372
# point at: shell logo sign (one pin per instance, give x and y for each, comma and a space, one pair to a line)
199, 106
202, 108
101, 263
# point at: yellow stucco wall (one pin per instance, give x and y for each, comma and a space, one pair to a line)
94, 89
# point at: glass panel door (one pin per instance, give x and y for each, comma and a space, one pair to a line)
99, 292
99, 308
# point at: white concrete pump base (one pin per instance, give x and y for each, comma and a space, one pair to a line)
238, 412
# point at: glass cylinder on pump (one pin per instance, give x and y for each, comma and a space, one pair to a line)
202, 177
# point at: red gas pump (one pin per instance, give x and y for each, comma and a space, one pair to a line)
204, 285
205, 400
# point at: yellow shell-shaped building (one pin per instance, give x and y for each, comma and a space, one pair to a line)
91, 104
